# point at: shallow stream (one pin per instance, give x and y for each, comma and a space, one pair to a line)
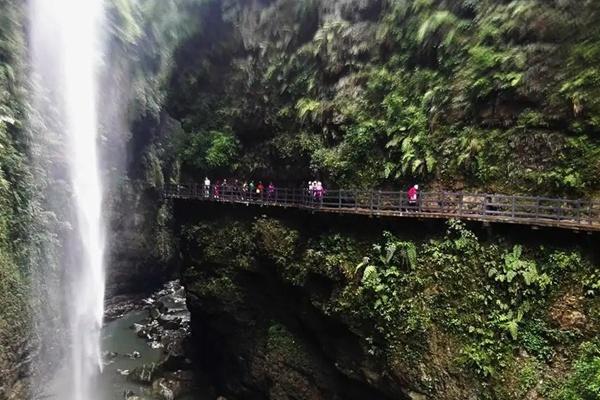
119, 338
119, 342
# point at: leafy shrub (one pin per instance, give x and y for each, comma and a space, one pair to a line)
211, 150
583, 382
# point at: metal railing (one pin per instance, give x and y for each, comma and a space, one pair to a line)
536, 211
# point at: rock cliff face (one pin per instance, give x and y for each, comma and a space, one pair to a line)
300, 306
142, 247
490, 95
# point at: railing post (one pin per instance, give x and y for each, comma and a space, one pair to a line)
513, 206
340, 198
560, 209
400, 201
484, 205
578, 214
371, 205
443, 202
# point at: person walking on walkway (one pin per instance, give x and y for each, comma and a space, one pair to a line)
311, 190
413, 195
271, 192
251, 190
319, 191
244, 190
260, 190
206, 187
225, 190
236, 190
217, 189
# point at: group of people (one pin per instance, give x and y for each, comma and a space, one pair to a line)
244, 189
316, 190
248, 190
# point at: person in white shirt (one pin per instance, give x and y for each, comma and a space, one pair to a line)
206, 187
319, 190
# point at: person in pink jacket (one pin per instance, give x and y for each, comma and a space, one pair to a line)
413, 195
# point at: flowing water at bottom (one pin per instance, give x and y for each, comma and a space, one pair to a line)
144, 350
118, 341
118, 338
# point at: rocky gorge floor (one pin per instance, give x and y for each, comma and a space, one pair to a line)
144, 343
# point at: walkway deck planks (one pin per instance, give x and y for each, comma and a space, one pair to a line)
578, 215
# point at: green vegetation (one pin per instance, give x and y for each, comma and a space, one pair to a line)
15, 196
505, 319
282, 347
584, 381
482, 95
476, 95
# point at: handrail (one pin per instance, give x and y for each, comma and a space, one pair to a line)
489, 207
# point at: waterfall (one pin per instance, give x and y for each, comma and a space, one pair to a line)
66, 55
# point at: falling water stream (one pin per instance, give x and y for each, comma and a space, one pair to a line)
66, 57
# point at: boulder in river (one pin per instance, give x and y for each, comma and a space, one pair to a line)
173, 384
144, 374
169, 321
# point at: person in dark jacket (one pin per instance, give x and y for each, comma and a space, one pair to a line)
271, 191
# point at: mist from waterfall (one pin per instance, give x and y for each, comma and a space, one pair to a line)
66, 52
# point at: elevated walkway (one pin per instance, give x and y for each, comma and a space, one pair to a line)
580, 215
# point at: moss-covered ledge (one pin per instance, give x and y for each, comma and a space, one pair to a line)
277, 311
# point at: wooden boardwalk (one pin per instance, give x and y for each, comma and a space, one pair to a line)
580, 215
